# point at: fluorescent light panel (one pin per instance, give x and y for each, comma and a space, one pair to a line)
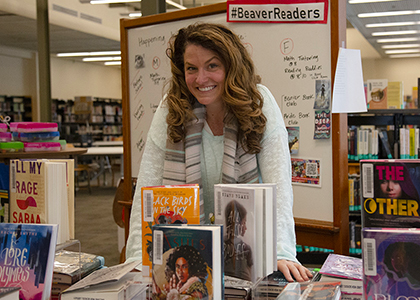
404, 55
402, 32
112, 63
106, 58
98, 53
400, 46
375, 25
403, 51
134, 15
111, 1
389, 13
397, 40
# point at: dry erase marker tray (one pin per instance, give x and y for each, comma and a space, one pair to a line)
33, 126
7, 147
42, 146
36, 136
5, 137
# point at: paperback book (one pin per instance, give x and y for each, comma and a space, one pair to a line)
187, 261
270, 286
390, 193
391, 263
236, 287
171, 204
27, 258
248, 215
377, 93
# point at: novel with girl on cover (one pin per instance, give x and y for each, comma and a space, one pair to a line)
169, 204
391, 263
187, 262
390, 193
248, 215
27, 258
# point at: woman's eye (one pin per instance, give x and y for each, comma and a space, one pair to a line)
212, 66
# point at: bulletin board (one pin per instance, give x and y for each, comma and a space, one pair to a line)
292, 60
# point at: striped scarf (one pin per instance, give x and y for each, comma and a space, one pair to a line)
182, 159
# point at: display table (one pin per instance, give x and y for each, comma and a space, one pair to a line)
67, 153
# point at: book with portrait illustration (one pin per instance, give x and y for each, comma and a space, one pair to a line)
391, 263
169, 204
390, 193
27, 258
247, 213
377, 93
187, 261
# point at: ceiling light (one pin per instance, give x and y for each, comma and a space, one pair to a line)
112, 1
374, 25
402, 51
368, 1
112, 63
400, 46
89, 53
394, 32
134, 15
389, 13
398, 40
404, 55
170, 2
106, 58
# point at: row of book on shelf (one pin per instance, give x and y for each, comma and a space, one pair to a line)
384, 94
369, 142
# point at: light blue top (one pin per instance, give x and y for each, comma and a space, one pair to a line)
273, 163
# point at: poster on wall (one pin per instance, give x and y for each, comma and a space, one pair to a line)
306, 172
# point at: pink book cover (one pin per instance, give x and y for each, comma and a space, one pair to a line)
343, 266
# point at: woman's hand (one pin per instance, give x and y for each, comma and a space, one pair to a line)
289, 268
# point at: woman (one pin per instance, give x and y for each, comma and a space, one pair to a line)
217, 124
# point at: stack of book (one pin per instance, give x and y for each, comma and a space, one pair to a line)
269, 287
70, 267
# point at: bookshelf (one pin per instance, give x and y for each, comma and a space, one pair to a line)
18, 108
383, 118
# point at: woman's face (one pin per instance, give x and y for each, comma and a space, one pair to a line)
204, 75
391, 189
181, 269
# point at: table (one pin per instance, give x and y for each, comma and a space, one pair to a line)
107, 143
68, 152
103, 153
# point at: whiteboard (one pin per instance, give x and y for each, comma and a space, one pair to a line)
288, 57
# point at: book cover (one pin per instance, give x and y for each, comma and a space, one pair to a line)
391, 263
348, 286
27, 258
342, 266
395, 95
248, 215
38, 194
293, 137
187, 262
237, 287
70, 266
311, 291
377, 91
171, 204
390, 193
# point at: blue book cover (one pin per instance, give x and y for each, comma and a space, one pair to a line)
391, 263
187, 261
27, 258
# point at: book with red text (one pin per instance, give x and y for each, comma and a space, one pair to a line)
170, 204
39, 194
187, 262
27, 259
390, 193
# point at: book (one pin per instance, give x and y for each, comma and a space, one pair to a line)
170, 204
390, 193
342, 266
4, 206
391, 263
377, 91
38, 194
9, 293
187, 261
269, 286
126, 288
311, 291
28, 258
293, 138
237, 287
70, 266
248, 215
395, 95
348, 286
